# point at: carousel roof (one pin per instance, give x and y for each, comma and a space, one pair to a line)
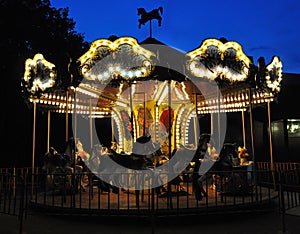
216, 76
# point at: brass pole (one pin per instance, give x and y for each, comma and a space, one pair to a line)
131, 110
14, 182
195, 130
156, 123
211, 123
33, 134
75, 117
252, 136
170, 141
219, 122
112, 129
251, 126
144, 129
169, 119
195, 122
270, 133
271, 143
67, 116
73, 151
33, 145
244, 132
91, 125
48, 135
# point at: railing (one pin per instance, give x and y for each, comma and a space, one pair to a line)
277, 166
170, 198
14, 193
238, 191
274, 169
87, 193
289, 192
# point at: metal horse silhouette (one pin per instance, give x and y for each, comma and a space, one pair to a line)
146, 16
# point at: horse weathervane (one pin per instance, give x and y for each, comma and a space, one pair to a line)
149, 16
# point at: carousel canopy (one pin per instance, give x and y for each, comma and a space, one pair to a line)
216, 76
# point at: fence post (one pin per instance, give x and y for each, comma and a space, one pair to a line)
282, 203
22, 198
152, 209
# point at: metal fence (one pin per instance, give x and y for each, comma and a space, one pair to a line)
87, 193
24, 190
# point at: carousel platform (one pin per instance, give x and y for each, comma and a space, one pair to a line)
180, 201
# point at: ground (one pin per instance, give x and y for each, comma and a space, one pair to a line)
261, 223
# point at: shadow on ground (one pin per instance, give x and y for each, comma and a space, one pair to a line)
260, 223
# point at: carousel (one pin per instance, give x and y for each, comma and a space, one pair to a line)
152, 96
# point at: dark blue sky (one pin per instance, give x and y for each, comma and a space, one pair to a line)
263, 27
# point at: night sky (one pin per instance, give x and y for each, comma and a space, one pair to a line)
263, 28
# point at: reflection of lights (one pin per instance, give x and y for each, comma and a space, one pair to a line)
293, 126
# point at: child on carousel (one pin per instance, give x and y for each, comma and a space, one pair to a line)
243, 155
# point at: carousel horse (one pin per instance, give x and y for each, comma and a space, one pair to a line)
58, 170
206, 166
143, 156
82, 168
98, 163
146, 16
222, 168
224, 162
196, 161
235, 182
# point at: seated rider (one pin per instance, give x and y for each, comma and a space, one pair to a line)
81, 152
243, 155
212, 152
206, 177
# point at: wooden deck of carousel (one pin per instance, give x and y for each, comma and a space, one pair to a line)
180, 200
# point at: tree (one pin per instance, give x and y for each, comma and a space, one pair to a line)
29, 27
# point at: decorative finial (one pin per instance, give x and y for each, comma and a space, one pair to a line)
149, 16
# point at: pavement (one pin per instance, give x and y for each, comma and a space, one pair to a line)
259, 223
294, 211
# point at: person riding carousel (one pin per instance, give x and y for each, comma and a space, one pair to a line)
243, 155
85, 156
206, 177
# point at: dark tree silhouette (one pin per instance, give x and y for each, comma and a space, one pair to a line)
29, 27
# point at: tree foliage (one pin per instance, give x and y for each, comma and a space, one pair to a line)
34, 26
29, 27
